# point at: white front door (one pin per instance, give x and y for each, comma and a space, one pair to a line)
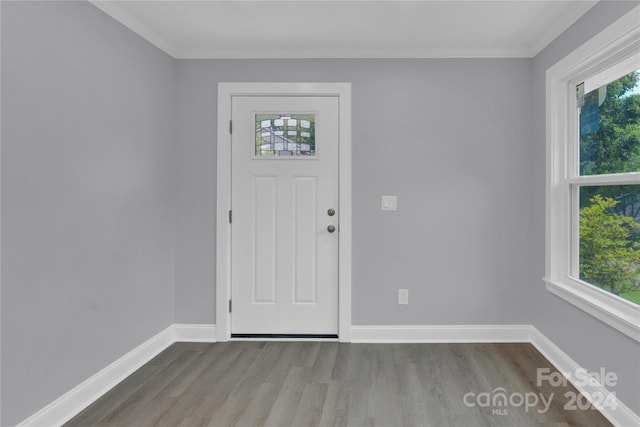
284, 232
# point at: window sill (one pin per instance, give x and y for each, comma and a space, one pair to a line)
616, 312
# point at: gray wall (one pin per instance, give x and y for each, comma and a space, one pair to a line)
88, 207
91, 179
449, 137
587, 340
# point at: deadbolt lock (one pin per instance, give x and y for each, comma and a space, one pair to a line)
331, 212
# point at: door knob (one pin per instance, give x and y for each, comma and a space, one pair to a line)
331, 229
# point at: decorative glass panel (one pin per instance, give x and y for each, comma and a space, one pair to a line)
279, 135
610, 127
610, 238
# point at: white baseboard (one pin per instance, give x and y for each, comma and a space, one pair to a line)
195, 333
620, 416
440, 333
75, 400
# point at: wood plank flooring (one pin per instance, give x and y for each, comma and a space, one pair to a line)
336, 384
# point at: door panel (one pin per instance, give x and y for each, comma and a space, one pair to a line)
264, 239
284, 267
304, 239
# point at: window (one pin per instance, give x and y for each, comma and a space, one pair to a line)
279, 135
606, 245
593, 176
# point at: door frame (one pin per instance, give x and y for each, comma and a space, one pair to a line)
226, 91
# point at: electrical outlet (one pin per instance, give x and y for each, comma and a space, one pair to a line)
389, 203
403, 296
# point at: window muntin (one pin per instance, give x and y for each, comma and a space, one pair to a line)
285, 135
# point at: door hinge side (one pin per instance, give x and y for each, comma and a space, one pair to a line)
229, 306
230, 216
231, 126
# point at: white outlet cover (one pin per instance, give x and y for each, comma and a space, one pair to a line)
403, 296
389, 203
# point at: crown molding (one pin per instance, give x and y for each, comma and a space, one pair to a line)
120, 14
114, 10
558, 27
353, 54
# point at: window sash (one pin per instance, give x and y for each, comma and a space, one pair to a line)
627, 178
574, 181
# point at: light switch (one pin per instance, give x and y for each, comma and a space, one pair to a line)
389, 203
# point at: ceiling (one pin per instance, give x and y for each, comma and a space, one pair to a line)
348, 28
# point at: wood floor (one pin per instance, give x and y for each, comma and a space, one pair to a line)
336, 384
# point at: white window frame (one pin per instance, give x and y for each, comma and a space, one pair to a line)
595, 61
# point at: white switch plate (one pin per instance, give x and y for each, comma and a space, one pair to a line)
389, 203
403, 296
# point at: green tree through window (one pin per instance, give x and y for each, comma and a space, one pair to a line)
609, 256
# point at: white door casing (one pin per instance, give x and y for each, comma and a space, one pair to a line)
284, 255
341, 93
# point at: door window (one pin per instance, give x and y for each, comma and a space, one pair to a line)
280, 135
